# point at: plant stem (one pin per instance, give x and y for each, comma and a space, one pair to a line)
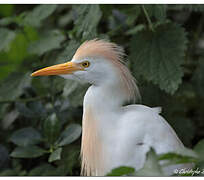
148, 18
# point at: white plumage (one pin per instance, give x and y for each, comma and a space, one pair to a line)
112, 134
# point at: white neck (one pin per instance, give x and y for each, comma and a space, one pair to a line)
101, 107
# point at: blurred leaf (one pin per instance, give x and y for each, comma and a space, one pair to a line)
158, 55
151, 166
176, 159
85, 22
42, 170
70, 134
26, 136
39, 13
6, 36
68, 52
187, 7
136, 29
9, 118
121, 171
181, 126
8, 172
24, 110
51, 128
6, 9
4, 158
31, 33
48, 41
69, 160
27, 152
198, 78
18, 49
7, 20
12, 87
199, 149
65, 19
75, 92
132, 13
33, 109
160, 12
55, 155
157, 10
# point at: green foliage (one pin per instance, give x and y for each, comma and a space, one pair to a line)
158, 55
6, 37
121, 171
15, 86
70, 134
6, 9
53, 38
38, 14
40, 117
27, 152
55, 155
85, 22
26, 136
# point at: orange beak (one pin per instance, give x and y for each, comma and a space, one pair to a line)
60, 69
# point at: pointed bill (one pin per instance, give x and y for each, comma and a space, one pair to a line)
59, 69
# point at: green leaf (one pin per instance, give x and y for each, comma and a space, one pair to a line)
31, 33
181, 126
6, 9
160, 12
199, 149
121, 171
70, 134
33, 109
42, 170
48, 41
187, 7
69, 160
4, 158
75, 92
9, 119
198, 78
158, 55
132, 14
175, 158
27, 152
55, 155
86, 18
15, 85
157, 10
68, 52
26, 136
18, 48
135, 29
6, 36
51, 128
39, 13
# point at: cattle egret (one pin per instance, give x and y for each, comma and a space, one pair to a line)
114, 135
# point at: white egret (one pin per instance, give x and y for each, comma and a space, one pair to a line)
114, 135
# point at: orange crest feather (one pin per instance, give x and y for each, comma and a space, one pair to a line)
115, 54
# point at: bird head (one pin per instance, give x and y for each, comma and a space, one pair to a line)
97, 62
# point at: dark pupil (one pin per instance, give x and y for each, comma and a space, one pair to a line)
85, 64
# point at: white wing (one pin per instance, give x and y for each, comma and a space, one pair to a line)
140, 128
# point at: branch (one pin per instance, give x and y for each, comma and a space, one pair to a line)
148, 18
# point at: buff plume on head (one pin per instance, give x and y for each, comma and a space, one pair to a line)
115, 54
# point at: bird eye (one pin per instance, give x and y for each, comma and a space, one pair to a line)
85, 64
